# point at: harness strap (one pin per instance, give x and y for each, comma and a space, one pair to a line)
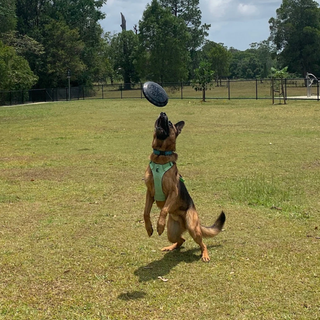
158, 170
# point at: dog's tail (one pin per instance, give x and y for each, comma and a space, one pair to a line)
209, 232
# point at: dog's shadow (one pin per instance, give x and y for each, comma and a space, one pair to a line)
162, 267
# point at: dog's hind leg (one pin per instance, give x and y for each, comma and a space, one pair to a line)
194, 228
175, 228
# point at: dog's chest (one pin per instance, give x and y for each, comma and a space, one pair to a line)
158, 171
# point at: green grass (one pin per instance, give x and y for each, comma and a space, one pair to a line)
72, 239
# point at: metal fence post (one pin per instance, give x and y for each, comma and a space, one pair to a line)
229, 89
272, 90
285, 91
256, 89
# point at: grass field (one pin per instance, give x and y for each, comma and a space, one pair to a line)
72, 239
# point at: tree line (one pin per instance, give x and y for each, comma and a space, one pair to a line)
40, 40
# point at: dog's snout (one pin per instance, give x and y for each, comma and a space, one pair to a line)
163, 114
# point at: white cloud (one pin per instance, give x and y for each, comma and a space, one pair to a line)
218, 8
230, 10
247, 9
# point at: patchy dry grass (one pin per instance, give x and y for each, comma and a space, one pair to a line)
72, 241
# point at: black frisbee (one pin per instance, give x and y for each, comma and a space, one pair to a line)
155, 94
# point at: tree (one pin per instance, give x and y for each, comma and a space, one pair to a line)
296, 34
23, 44
103, 68
81, 14
245, 65
219, 58
81, 18
203, 77
26, 47
264, 52
124, 50
84, 16
277, 82
63, 48
163, 40
191, 14
15, 71
255, 62
189, 11
8, 17
31, 16
108, 58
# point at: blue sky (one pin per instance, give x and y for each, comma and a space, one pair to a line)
235, 23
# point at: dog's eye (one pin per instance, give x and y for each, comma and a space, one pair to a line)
170, 124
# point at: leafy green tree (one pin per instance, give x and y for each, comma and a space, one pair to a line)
245, 65
255, 62
108, 58
103, 69
84, 15
8, 18
296, 34
219, 58
15, 71
31, 16
63, 48
23, 44
26, 47
163, 40
79, 16
124, 51
278, 76
203, 77
264, 52
191, 14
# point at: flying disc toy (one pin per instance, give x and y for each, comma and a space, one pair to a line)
155, 94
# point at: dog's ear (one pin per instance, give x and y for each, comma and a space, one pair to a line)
179, 125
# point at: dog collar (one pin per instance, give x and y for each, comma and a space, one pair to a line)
162, 153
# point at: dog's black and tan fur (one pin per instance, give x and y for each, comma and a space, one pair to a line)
178, 203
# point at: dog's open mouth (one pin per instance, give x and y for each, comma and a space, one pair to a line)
162, 126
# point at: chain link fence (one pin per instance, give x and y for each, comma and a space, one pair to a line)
273, 89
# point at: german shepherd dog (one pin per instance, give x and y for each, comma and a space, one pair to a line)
176, 200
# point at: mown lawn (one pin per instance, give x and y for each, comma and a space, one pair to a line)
72, 239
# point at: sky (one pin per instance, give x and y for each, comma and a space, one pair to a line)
235, 23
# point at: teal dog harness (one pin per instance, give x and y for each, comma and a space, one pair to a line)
158, 170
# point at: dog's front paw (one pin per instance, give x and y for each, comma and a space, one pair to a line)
160, 226
149, 229
150, 232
